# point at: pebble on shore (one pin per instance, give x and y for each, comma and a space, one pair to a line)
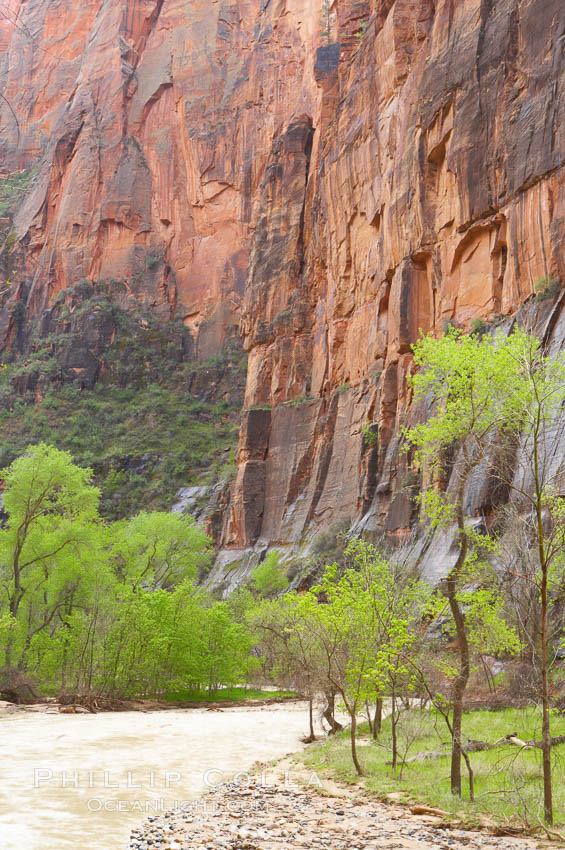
264, 817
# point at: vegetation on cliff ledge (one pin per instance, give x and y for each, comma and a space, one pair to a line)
125, 395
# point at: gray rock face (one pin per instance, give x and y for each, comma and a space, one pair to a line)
188, 498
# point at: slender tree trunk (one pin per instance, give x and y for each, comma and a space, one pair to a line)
369, 718
354, 756
92, 636
311, 718
18, 591
463, 647
393, 727
14, 606
378, 718
546, 726
329, 714
471, 777
544, 566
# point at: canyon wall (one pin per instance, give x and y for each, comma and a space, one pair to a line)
435, 195
149, 126
332, 181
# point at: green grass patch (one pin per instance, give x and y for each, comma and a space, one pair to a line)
508, 780
13, 188
227, 695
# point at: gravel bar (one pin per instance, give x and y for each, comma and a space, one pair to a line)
263, 817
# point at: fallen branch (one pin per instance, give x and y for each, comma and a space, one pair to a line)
559, 739
551, 833
471, 747
429, 810
477, 746
514, 739
481, 746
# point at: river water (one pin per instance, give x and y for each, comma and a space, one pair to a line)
84, 780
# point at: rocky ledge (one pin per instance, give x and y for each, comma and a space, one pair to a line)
259, 816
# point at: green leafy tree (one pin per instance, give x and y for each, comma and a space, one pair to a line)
463, 378
359, 627
342, 629
395, 601
158, 549
52, 510
289, 649
226, 645
106, 610
539, 398
268, 578
494, 399
481, 603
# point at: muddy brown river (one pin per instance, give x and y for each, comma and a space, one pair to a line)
71, 781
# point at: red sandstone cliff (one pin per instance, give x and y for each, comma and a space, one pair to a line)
436, 193
333, 199
150, 123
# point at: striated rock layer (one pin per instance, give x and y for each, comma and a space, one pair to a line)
150, 124
334, 184
435, 195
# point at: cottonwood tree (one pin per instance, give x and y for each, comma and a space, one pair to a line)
393, 600
360, 626
461, 378
319, 641
158, 549
536, 483
486, 393
51, 531
289, 649
343, 629
106, 610
481, 602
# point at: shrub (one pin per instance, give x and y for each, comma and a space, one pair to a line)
547, 287
479, 326
370, 433
10, 241
448, 326
152, 260
268, 578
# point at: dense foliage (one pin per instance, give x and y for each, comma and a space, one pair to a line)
497, 402
93, 608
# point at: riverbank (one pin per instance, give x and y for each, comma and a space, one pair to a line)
53, 706
504, 749
315, 798
291, 806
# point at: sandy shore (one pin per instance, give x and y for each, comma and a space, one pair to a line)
51, 706
286, 807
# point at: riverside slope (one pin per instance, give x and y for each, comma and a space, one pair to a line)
331, 191
286, 807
